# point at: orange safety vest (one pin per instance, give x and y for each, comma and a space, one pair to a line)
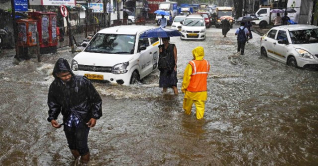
200, 70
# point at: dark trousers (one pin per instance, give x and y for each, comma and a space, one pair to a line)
241, 47
77, 137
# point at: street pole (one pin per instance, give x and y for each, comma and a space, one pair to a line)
14, 26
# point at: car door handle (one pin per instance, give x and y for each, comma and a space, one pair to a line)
150, 52
274, 43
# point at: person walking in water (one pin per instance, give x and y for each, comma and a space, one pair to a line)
226, 26
242, 34
194, 85
167, 65
80, 104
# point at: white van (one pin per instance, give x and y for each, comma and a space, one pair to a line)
193, 27
118, 55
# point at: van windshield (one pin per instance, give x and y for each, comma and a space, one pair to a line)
112, 44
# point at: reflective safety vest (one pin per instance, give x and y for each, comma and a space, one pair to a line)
198, 81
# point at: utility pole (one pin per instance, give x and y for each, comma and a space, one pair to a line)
14, 28
117, 8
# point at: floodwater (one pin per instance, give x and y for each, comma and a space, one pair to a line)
259, 112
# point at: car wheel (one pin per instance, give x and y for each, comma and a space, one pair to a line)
134, 78
263, 52
292, 62
262, 24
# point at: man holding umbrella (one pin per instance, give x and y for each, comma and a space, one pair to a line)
163, 21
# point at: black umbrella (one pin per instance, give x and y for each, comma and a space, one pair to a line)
290, 10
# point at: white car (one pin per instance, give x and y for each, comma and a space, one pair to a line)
193, 28
176, 24
295, 45
118, 55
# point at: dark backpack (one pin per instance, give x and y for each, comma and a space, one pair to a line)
165, 60
241, 36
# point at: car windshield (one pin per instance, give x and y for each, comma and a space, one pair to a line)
304, 36
112, 44
178, 19
197, 22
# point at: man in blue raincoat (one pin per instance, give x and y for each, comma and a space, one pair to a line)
80, 104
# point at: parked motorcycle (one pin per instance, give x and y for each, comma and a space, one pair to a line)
5, 39
3, 34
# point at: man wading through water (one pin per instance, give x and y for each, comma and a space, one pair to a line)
80, 104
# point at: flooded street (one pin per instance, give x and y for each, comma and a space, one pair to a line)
258, 112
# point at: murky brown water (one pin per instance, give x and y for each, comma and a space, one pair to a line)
259, 112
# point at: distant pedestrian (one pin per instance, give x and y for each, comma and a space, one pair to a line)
248, 25
277, 20
285, 19
163, 21
168, 66
80, 104
242, 34
226, 26
194, 85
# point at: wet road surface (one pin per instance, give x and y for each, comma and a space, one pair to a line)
259, 112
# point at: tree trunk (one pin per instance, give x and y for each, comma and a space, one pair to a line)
238, 4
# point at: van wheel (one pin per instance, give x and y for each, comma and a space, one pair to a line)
263, 52
292, 62
134, 78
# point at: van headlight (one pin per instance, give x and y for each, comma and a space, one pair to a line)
305, 54
74, 65
120, 68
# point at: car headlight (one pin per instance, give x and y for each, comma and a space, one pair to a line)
120, 68
203, 30
183, 31
74, 65
219, 21
303, 53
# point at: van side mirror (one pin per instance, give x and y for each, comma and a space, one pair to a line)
142, 47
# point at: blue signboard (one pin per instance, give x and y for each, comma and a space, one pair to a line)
21, 5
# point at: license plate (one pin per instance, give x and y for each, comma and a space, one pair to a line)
192, 34
94, 76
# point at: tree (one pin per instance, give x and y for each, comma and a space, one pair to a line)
238, 5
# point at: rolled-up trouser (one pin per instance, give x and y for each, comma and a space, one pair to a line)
199, 106
77, 137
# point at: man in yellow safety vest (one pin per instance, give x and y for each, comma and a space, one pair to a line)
194, 85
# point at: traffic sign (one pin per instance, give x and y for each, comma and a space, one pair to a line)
64, 11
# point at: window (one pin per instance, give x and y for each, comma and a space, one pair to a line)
281, 35
143, 42
272, 33
263, 11
154, 40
